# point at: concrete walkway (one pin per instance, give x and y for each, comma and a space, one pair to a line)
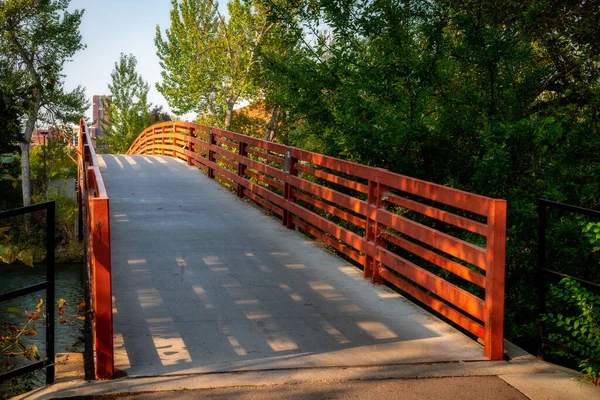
205, 282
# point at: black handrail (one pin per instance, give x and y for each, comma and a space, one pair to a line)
542, 271
48, 285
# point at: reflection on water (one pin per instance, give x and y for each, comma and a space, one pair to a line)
69, 336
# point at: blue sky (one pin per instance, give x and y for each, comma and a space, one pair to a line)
111, 27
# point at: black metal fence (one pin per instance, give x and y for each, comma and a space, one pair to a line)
48, 285
543, 272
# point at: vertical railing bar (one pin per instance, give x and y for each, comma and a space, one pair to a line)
541, 264
241, 170
79, 208
51, 291
380, 202
288, 192
191, 146
211, 142
370, 229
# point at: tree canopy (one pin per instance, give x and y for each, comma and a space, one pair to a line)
127, 108
210, 61
500, 98
37, 39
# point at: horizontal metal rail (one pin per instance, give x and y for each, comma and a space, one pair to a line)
96, 234
399, 229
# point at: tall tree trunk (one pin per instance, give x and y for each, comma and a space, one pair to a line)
229, 115
272, 126
25, 174
25, 146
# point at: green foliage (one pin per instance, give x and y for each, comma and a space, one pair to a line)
209, 62
127, 108
58, 165
10, 112
10, 109
5, 173
23, 239
10, 344
10, 252
68, 247
591, 230
578, 328
37, 38
157, 115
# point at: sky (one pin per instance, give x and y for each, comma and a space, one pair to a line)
111, 27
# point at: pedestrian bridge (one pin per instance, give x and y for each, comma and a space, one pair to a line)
234, 269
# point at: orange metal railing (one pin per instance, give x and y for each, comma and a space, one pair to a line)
442, 246
96, 232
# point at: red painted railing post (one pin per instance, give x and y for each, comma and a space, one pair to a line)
191, 146
163, 140
380, 203
174, 145
211, 153
291, 170
153, 143
375, 200
101, 272
241, 170
494, 277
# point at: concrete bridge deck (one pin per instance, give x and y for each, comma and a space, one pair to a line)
205, 282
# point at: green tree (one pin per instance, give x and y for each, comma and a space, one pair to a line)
10, 109
54, 159
37, 38
126, 109
209, 62
158, 114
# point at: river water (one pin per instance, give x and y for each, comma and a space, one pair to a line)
69, 336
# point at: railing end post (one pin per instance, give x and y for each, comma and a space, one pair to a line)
495, 279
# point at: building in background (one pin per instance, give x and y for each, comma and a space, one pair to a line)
41, 136
98, 116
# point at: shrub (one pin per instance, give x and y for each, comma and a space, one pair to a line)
579, 330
